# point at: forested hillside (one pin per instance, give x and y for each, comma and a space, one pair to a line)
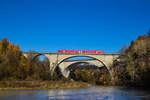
133, 66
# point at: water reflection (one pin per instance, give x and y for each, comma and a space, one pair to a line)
93, 93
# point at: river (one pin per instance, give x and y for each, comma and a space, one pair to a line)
92, 93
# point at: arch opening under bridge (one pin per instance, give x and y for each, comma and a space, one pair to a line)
39, 66
63, 66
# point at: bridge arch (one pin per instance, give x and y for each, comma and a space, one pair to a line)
38, 55
33, 56
64, 65
80, 56
39, 65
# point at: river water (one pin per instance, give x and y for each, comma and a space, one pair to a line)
92, 93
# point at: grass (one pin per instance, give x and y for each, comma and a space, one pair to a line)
5, 85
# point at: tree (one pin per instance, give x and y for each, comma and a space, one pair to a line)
134, 65
148, 33
3, 46
123, 49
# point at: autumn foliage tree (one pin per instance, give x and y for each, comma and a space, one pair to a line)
10, 62
133, 68
99, 77
14, 66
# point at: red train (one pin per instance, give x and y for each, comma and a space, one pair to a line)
81, 51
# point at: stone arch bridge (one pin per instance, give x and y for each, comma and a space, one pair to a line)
60, 59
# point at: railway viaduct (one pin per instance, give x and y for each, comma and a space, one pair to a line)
61, 60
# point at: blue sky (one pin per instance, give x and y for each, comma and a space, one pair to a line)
49, 25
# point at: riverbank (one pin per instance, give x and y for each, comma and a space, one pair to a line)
7, 85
